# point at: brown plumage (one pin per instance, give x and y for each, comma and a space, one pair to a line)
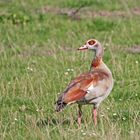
91, 87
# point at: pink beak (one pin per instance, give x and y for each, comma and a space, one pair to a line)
83, 48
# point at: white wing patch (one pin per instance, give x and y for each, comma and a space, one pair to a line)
95, 91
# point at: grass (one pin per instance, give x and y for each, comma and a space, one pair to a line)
36, 52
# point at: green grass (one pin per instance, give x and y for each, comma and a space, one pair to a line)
36, 51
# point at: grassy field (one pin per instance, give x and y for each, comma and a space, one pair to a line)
38, 58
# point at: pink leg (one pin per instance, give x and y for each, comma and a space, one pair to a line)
79, 115
95, 116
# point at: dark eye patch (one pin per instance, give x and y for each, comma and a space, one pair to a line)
91, 42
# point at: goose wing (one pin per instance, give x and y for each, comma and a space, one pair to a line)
89, 85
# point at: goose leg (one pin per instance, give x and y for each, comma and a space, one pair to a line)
79, 115
95, 116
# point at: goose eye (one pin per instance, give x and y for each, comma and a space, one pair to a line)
91, 42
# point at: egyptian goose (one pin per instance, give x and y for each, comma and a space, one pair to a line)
91, 87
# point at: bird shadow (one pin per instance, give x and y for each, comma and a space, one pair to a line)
54, 122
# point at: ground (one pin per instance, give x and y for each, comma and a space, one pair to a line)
39, 57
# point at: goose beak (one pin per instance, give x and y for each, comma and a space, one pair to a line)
83, 48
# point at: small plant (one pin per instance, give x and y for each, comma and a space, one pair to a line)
15, 18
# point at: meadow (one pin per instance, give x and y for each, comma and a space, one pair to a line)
39, 57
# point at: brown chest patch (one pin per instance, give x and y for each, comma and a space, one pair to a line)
96, 62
